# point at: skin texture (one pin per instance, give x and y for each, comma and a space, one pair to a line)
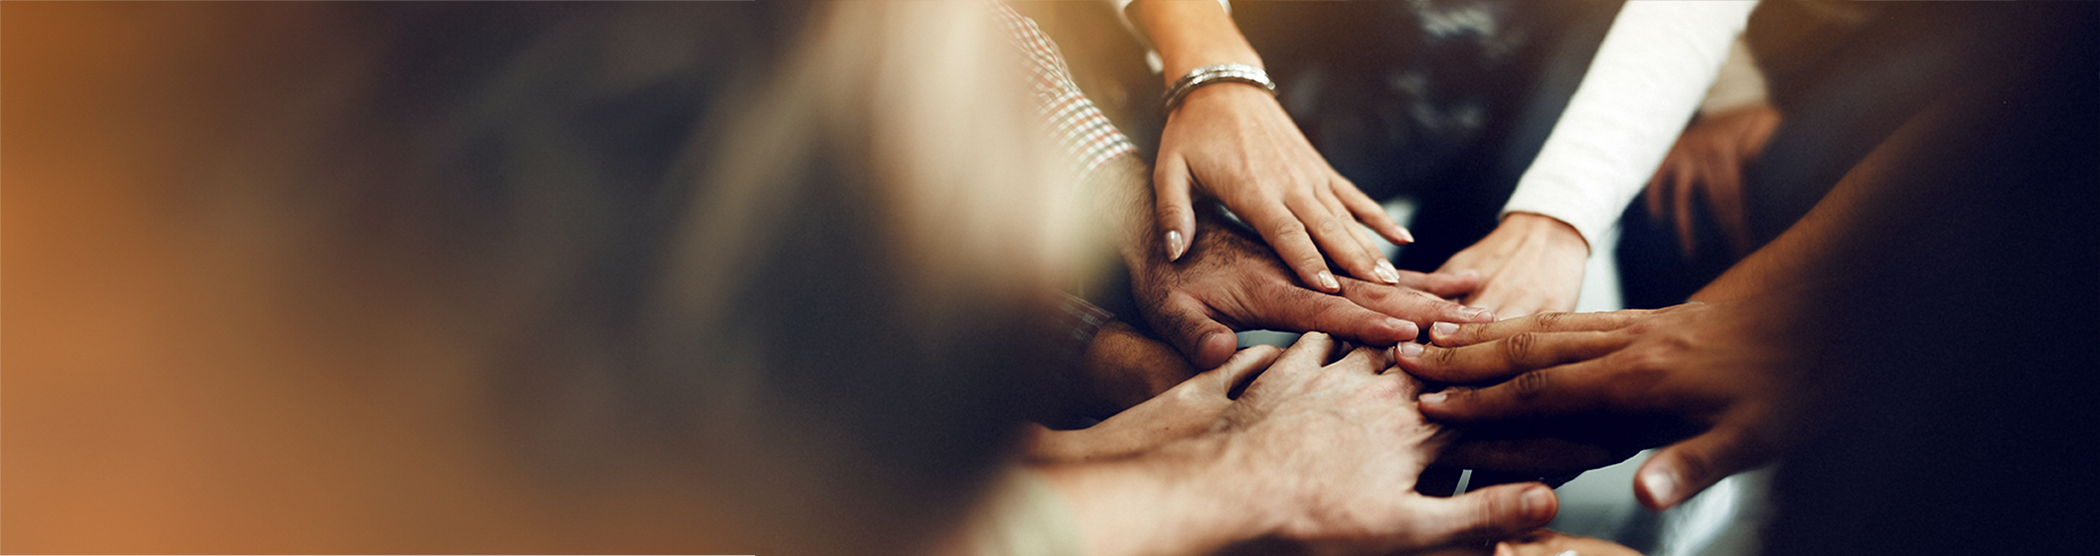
1231, 281
1707, 164
1319, 454
1530, 264
1235, 142
1184, 411
1706, 367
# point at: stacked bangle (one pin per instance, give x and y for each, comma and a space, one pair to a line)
1241, 73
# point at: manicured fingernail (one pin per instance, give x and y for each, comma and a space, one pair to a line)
1443, 329
1478, 313
1408, 349
1174, 245
1386, 272
1467, 273
1405, 235
1538, 504
1436, 397
1327, 281
1662, 486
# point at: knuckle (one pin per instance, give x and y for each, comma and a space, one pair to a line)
1553, 321
1520, 349
1530, 385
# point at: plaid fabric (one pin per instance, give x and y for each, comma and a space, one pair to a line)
1086, 136
1078, 322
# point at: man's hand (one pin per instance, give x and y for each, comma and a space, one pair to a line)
1236, 142
1230, 281
1707, 162
1185, 411
1530, 264
1721, 374
1336, 450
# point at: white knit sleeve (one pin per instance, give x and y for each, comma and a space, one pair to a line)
1651, 72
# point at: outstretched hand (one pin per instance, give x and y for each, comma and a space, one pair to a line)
1235, 142
1721, 374
1230, 281
1529, 264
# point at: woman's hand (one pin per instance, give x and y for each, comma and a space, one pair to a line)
1235, 142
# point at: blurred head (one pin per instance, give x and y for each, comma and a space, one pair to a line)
713, 277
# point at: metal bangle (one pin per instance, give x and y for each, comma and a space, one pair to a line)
1238, 73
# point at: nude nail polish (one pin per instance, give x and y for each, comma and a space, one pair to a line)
1174, 245
1386, 272
1327, 281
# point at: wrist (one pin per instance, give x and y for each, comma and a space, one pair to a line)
1191, 34
1547, 230
1178, 499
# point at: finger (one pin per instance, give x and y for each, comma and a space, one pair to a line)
1241, 367
1658, 184
1507, 357
1412, 305
1175, 211
1442, 284
1453, 335
1559, 390
1184, 322
1381, 268
1334, 238
1297, 309
1677, 472
1363, 359
1724, 197
1294, 245
1309, 352
1494, 512
1371, 214
1688, 242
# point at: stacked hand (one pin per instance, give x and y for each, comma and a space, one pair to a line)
1721, 373
1230, 281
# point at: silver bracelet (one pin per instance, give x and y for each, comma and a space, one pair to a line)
1239, 73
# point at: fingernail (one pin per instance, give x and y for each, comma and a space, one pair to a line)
1467, 273
1386, 272
1405, 235
1661, 485
1327, 281
1405, 328
1443, 329
1478, 313
1436, 397
1538, 504
1409, 349
1174, 245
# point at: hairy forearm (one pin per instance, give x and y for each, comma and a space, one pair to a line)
1191, 34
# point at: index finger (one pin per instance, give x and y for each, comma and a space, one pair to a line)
1450, 334
1500, 359
1563, 390
1294, 244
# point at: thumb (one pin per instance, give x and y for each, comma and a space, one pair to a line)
1677, 472
1176, 213
1181, 321
1494, 512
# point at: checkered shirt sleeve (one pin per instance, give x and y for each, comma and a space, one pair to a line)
1087, 138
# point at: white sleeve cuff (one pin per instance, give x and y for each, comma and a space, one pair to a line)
1647, 79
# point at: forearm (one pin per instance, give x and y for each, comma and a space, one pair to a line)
1647, 79
1178, 499
1191, 34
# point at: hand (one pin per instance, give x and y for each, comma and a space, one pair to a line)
1236, 142
1229, 281
1547, 542
1723, 375
1337, 449
1184, 411
1530, 264
1707, 162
